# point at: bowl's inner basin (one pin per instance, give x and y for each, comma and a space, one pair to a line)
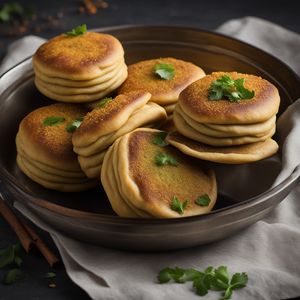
235, 182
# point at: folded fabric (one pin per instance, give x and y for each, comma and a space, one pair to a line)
268, 250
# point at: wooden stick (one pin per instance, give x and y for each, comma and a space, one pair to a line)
16, 225
51, 258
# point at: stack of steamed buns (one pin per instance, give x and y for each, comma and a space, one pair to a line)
145, 132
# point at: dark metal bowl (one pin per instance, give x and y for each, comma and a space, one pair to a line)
88, 216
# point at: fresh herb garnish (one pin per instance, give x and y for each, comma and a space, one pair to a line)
163, 159
50, 275
210, 279
10, 9
159, 139
53, 121
104, 101
71, 127
164, 71
10, 256
81, 29
203, 200
12, 276
227, 88
179, 206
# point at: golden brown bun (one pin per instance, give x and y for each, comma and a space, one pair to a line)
51, 145
226, 155
151, 188
104, 120
141, 76
265, 103
82, 57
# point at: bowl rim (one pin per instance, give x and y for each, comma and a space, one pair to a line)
234, 208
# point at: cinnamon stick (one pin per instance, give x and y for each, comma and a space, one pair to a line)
16, 225
51, 258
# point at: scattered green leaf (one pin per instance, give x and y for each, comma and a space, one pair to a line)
211, 279
7, 257
8, 10
12, 276
71, 127
239, 280
178, 275
79, 30
179, 206
159, 139
227, 88
50, 275
53, 121
203, 200
164, 71
163, 159
10, 255
103, 102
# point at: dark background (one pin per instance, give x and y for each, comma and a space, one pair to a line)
54, 17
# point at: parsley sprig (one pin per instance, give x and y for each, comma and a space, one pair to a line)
11, 257
79, 30
217, 279
71, 127
203, 200
164, 71
227, 88
164, 159
179, 206
103, 102
53, 121
159, 139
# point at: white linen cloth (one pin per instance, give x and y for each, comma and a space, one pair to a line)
269, 251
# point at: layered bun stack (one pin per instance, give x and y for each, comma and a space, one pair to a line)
143, 178
163, 78
79, 68
45, 150
111, 119
227, 130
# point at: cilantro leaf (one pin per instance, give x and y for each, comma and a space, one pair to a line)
165, 275
163, 159
50, 275
201, 285
243, 92
203, 200
164, 71
159, 139
179, 206
7, 256
221, 273
227, 294
81, 29
53, 121
227, 88
104, 101
239, 280
12, 276
178, 275
71, 127
211, 279
10, 9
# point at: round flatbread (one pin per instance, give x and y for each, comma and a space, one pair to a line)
225, 155
83, 57
153, 188
195, 103
141, 76
186, 130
